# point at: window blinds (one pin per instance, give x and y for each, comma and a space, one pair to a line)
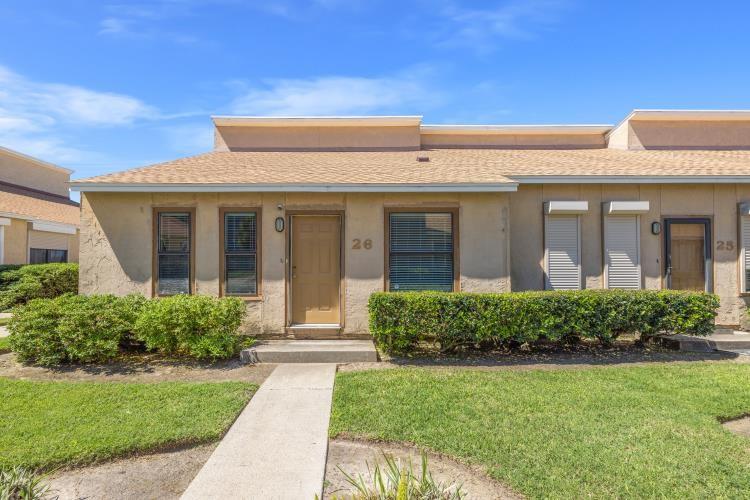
174, 253
562, 252
622, 251
421, 251
240, 253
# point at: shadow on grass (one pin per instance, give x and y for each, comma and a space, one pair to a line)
585, 353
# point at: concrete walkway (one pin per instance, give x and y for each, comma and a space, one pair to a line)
277, 447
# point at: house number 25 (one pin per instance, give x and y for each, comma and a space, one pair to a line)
358, 244
725, 245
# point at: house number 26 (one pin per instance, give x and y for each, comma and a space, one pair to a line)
358, 244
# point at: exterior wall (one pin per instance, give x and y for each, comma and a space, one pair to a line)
116, 244
717, 201
673, 134
539, 141
16, 243
16, 240
249, 138
23, 172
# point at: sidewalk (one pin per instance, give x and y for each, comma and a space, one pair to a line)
277, 447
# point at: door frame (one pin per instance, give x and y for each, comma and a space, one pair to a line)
290, 214
707, 248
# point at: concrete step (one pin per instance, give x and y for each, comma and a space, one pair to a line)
730, 341
310, 351
737, 341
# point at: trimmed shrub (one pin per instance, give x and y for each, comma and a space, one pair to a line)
192, 325
22, 284
400, 321
72, 328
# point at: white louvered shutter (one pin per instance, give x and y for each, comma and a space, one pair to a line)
563, 252
745, 235
621, 251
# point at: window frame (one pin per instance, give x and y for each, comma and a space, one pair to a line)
155, 248
453, 210
258, 295
46, 255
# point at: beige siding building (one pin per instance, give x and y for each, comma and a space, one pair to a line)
304, 218
38, 220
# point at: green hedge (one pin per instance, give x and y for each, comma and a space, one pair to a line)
72, 328
20, 284
96, 328
401, 321
192, 325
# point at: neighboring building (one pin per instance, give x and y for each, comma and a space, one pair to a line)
306, 217
38, 220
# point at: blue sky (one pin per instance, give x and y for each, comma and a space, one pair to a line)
100, 86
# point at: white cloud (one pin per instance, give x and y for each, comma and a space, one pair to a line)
190, 138
114, 26
338, 95
35, 117
43, 103
479, 29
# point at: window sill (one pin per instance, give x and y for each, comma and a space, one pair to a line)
246, 298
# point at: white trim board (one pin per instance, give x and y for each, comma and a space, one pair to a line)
303, 188
631, 179
53, 227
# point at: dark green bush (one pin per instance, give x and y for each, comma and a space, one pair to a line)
72, 328
22, 284
192, 325
400, 321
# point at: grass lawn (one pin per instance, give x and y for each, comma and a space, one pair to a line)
4, 321
4, 345
45, 424
601, 432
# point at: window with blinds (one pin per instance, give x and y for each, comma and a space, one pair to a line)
420, 251
562, 253
622, 252
240, 253
173, 253
47, 255
745, 252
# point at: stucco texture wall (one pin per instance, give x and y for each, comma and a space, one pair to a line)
717, 201
117, 231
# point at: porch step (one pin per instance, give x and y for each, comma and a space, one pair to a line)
730, 341
310, 351
733, 342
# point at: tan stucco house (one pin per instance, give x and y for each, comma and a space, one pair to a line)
305, 217
38, 220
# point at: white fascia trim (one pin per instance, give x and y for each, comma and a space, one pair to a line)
54, 227
565, 207
690, 114
515, 129
317, 121
39, 162
299, 188
4, 221
631, 179
626, 207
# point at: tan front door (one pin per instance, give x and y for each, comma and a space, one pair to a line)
688, 258
316, 269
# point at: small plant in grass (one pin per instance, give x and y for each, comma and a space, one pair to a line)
198, 326
19, 483
397, 481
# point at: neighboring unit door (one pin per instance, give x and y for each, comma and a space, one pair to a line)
688, 256
316, 269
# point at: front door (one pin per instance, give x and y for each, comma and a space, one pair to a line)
688, 254
316, 269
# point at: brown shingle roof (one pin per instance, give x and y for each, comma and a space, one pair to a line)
32, 204
448, 166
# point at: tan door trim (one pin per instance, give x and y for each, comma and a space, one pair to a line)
342, 261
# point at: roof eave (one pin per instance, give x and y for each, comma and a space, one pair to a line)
316, 121
306, 188
631, 179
